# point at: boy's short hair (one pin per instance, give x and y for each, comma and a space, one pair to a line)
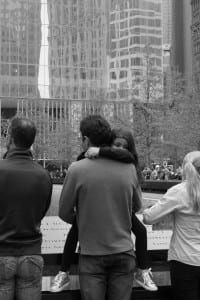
23, 132
97, 129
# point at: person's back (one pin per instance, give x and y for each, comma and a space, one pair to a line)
105, 190
25, 189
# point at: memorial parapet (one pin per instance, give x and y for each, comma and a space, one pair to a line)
55, 230
158, 186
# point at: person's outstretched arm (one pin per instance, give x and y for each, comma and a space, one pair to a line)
171, 201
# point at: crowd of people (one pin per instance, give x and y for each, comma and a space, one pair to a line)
161, 172
101, 194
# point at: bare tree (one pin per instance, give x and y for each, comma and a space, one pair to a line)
148, 112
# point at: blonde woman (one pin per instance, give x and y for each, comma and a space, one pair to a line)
183, 202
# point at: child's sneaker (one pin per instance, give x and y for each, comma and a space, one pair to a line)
60, 282
144, 279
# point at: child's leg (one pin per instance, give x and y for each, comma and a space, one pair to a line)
62, 279
143, 275
70, 247
140, 233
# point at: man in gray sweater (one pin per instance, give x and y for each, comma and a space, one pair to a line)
100, 193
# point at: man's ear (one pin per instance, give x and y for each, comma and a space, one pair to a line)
86, 143
10, 142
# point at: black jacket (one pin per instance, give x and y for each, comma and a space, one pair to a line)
25, 195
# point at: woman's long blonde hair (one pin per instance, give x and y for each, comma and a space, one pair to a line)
191, 173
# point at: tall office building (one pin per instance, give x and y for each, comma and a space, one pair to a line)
187, 45
77, 48
182, 41
168, 31
135, 47
177, 44
167, 21
20, 40
196, 33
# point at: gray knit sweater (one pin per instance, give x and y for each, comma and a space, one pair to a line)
101, 193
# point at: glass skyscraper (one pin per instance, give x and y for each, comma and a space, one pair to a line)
135, 47
20, 42
196, 32
78, 50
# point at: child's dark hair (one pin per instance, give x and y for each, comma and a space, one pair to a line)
128, 136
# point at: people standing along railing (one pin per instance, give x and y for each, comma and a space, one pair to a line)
162, 173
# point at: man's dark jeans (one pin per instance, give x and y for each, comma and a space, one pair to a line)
185, 281
106, 274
